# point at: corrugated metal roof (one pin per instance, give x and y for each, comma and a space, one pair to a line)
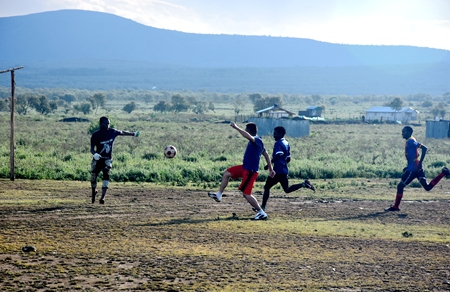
275, 106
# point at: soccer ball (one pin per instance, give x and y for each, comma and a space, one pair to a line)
170, 151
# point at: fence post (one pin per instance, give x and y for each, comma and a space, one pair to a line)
11, 145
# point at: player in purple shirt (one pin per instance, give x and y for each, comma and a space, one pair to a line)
102, 142
281, 156
414, 168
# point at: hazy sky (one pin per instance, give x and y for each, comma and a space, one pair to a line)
424, 23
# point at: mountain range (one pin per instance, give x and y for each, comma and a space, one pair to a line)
94, 50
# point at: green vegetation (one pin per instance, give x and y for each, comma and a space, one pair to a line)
47, 148
197, 124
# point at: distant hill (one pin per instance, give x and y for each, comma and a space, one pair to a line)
85, 49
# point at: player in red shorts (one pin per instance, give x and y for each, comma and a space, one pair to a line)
248, 171
414, 168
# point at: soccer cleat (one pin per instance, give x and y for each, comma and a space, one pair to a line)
102, 201
261, 215
392, 209
256, 210
216, 197
446, 171
308, 185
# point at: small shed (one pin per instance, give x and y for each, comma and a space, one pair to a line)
311, 111
438, 129
276, 112
386, 113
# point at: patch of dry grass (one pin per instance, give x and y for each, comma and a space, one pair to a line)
154, 238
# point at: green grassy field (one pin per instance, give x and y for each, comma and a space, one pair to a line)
49, 149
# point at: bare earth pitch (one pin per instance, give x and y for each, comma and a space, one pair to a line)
169, 239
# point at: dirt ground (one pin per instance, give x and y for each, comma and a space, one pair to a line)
167, 239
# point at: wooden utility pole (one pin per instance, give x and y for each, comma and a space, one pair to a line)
13, 85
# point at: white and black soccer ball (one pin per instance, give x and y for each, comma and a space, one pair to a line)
170, 151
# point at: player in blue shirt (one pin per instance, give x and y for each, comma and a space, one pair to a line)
248, 170
414, 168
102, 142
281, 156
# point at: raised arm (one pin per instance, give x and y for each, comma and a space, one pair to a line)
244, 133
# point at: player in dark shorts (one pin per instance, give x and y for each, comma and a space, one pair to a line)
414, 168
248, 171
102, 142
281, 156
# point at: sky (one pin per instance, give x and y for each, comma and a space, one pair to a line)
422, 23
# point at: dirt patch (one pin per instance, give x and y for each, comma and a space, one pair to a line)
181, 240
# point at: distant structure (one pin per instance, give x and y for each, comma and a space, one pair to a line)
312, 111
388, 114
269, 118
275, 112
294, 127
438, 129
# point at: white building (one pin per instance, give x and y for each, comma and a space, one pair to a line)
386, 113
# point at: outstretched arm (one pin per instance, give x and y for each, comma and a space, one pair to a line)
127, 133
244, 133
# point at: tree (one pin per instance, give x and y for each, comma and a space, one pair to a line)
333, 100
254, 96
42, 105
442, 111
266, 102
92, 102
396, 104
316, 98
162, 106
4, 105
427, 103
85, 108
129, 107
68, 97
199, 108
53, 105
100, 100
238, 105
211, 106
192, 100
23, 103
147, 98
179, 103
435, 111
